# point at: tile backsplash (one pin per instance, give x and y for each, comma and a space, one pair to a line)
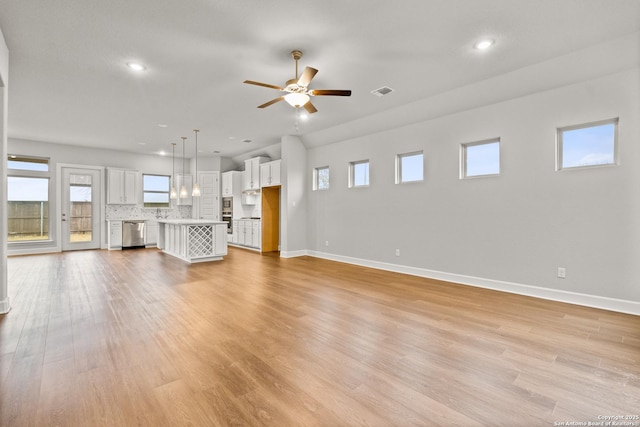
137, 212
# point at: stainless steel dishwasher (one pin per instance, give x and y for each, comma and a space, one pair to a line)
132, 233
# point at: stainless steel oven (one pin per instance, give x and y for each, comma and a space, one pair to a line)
227, 205
227, 213
229, 222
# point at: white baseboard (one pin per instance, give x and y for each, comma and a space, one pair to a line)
5, 306
293, 254
33, 251
605, 303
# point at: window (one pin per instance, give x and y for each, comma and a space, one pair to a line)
27, 163
27, 199
592, 144
480, 158
155, 191
321, 178
409, 167
359, 174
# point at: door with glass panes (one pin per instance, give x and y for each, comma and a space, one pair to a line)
80, 209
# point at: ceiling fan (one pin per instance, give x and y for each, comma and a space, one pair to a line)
297, 89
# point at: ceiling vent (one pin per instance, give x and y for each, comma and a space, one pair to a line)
382, 91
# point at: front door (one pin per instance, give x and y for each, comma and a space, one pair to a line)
80, 213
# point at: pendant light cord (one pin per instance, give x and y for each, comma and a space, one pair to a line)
196, 173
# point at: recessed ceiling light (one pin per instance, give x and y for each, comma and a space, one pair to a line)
382, 91
142, 143
135, 66
162, 153
163, 126
484, 44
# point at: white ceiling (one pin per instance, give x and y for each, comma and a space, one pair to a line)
68, 82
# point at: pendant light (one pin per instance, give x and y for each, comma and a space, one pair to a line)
183, 188
173, 194
196, 186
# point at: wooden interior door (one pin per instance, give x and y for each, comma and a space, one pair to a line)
270, 219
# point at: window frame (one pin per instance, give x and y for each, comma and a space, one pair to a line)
34, 174
399, 158
168, 192
316, 176
464, 158
560, 144
352, 173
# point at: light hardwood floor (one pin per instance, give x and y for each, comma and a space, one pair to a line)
138, 338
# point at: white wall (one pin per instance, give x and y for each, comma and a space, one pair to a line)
293, 203
205, 164
4, 111
502, 232
61, 153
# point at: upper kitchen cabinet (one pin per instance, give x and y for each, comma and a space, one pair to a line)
270, 174
231, 182
122, 187
251, 178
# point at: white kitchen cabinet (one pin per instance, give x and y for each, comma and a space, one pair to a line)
247, 232
193, 240
150, 233
270, 174
232, 183
234, 235
241, 232
251, 178
256, 233
115, 235
122, 187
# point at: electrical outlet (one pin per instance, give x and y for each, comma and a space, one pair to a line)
326, 243
562, 272
397, 252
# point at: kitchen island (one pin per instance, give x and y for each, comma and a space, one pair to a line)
193, 240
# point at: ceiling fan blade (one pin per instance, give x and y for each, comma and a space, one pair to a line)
309, 107
330, 92
307, 76
273, 101
251, 82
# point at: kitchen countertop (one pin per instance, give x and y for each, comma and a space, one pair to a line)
189, 221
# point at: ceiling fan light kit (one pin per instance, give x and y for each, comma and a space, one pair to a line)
297, 100
297, 89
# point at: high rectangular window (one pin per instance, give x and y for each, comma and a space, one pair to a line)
591, 144
480, 158
155, 191
409, 167
26, 163
321, 178
359, 174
